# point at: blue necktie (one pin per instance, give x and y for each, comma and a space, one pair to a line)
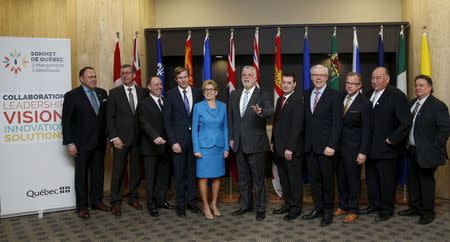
186, 102
244, 103
94, 102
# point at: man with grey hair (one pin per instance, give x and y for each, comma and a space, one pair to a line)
323, 125
249, 109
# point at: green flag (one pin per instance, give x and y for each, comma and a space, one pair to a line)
334, 63
401, 62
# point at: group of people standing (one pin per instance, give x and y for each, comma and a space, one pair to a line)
333, 132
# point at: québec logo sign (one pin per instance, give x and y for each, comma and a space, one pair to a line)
15, 62
47, 192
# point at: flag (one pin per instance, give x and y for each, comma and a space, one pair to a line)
355, 63
425, 66
256, 56
306, 63
231, 74
188, 59
402, 163
380, 47
231, 86
136, 61
277, 92
334, 63
206, 58
117, 80
159, 61
401, 62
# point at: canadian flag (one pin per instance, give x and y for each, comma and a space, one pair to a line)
117, 81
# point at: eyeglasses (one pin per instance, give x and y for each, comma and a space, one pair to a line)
319, 75
126, 73
208, 89
353, 83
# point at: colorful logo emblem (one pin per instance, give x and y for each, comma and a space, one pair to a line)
14, 62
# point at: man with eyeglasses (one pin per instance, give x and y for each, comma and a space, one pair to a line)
354, 144
323, 125
123, 130
391, 121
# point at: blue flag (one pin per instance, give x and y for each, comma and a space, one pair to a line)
206, 58
159, 61
355, 63
306, 63
380, 48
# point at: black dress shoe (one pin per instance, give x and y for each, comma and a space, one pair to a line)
193, 208
409, 212
291, 216
281, 210
153, 212
240, 212
312, 215
369, 210
326, 220
166, 205
181, 212
260, 216
382, 217
426, 219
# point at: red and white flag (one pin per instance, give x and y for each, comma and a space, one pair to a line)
117, 81
256, 55
231, 75
136, 60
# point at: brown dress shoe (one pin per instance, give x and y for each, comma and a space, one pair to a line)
84, 214
116, 210
350, 218
135, 204
339, 212
101, 207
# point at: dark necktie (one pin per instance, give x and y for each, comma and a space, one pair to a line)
94, 102
160, 104
131, 99
186, 102
278, 108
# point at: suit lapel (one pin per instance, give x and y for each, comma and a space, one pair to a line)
180, 101
86, 100
252, 101
321, 100
308, 101
382, 98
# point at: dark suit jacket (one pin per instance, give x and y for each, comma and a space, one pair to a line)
288, 134
391, 119
249, 132
356, 128
323, 127
431, 131
151, 122
177, 121
120, 119
81, 126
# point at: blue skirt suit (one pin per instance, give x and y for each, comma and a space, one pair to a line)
210, 138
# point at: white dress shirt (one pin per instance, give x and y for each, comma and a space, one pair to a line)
352, 98
411, 131
155, 98
241, 102
313, 96
133, 90
188, 94
374, 101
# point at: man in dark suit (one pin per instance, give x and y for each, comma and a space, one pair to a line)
426, 148
323, 125
391, 121
178, 124
287, 144
355, 141
84, 134
123, 129
249, 109
154, 147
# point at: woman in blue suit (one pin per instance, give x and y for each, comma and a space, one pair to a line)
210, 141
